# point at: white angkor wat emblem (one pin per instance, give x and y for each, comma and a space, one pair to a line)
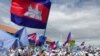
34, 13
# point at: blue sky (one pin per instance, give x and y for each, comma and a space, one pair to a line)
81, 17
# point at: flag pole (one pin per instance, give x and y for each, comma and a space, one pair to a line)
47, 20
44, 33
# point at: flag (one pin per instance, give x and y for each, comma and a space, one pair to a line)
32, 38
72, 43
22, 37
42, 40
68, 39
37, 40
32, 34
30, 13
18, 33
18, 36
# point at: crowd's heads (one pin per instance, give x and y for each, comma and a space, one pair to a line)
82, 43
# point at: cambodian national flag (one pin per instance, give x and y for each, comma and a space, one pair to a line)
32, 38
30, 13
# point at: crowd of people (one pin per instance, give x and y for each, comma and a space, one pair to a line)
58, 51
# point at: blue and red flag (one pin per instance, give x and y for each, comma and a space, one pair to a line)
68, 39
36, 39
32, 38
30, 13
41, 40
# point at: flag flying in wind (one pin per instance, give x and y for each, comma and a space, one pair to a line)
30, 13
32, 38
22, 37
18, 33
68, 39
37, 40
